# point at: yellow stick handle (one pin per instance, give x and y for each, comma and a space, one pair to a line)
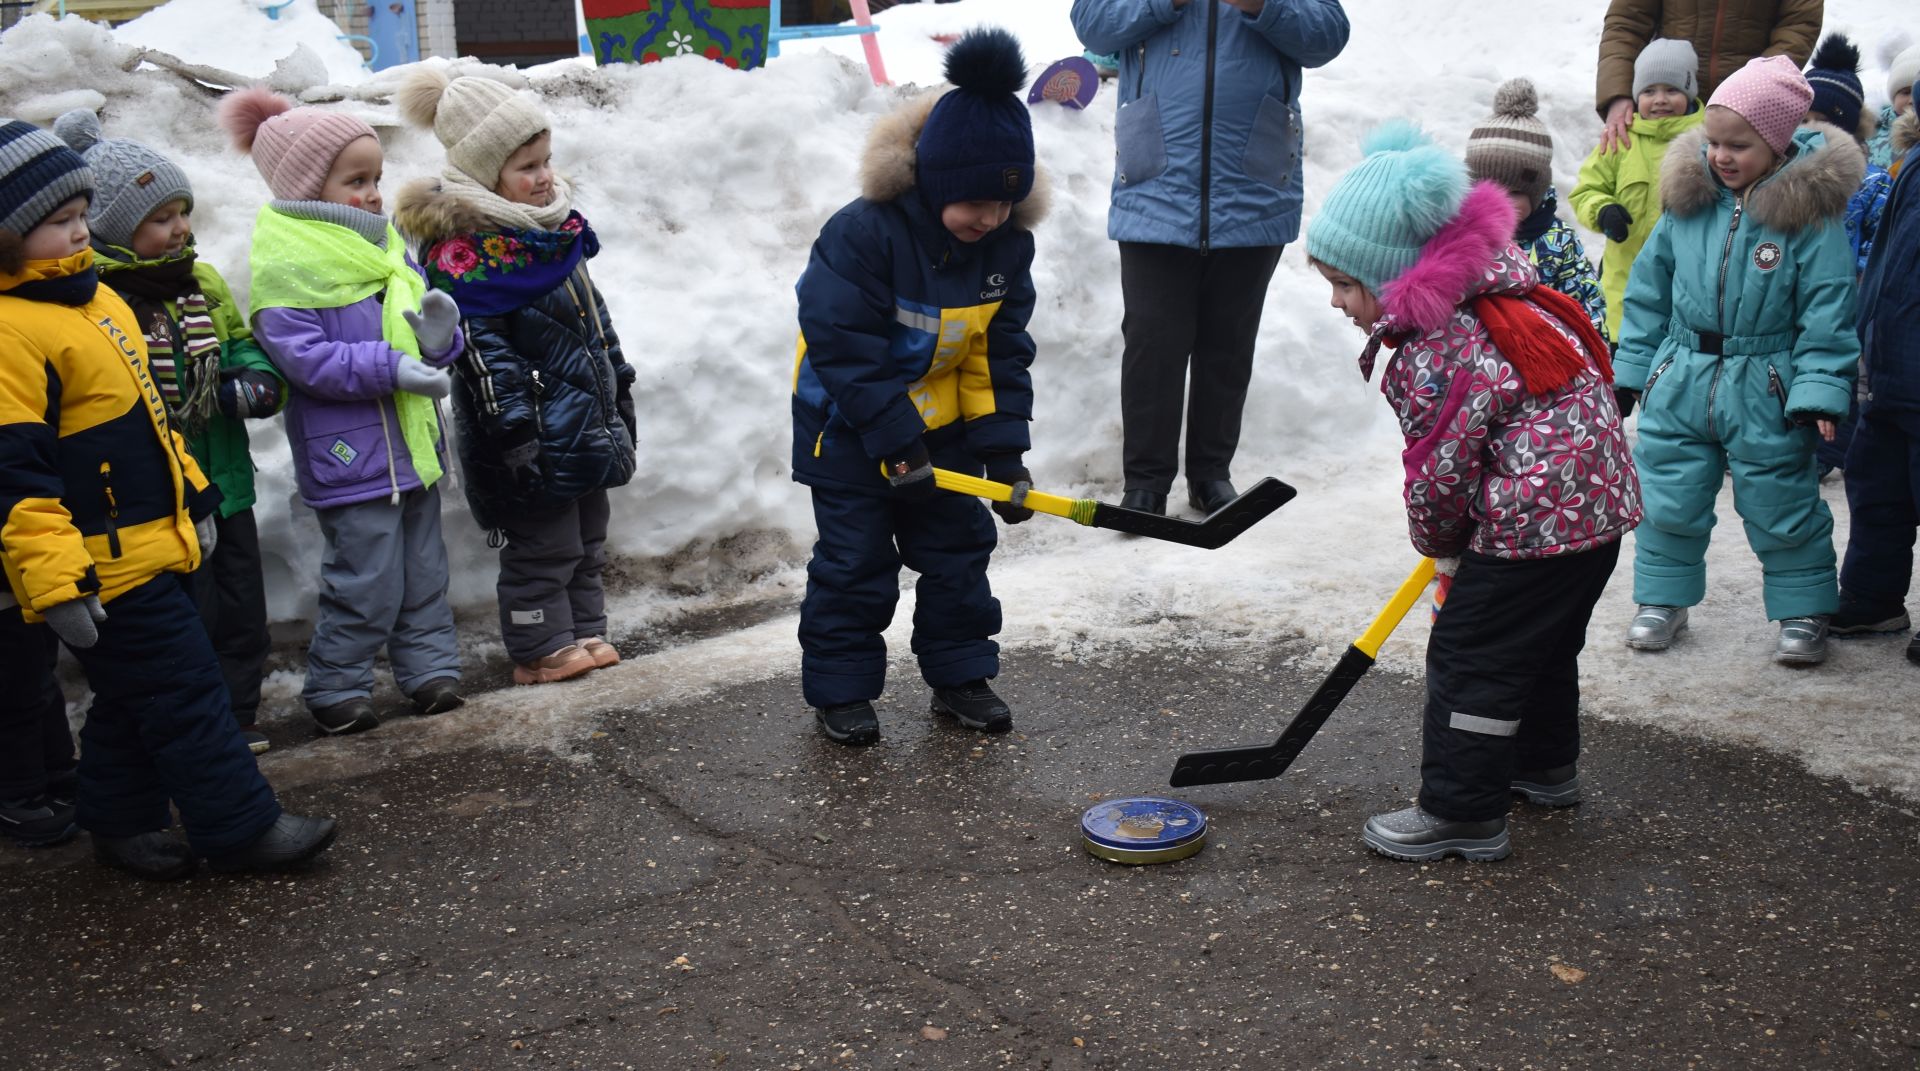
1078, 510
1410, 591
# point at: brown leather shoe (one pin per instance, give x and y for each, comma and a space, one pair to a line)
565, 664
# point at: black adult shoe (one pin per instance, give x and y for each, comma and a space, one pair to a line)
852, 724
155, 856
290, 841
256, 740
974, 706
1208, 496
1853, 619
1556, 787
38, 822
352, 716
438, 696
1419, 837
1145, 502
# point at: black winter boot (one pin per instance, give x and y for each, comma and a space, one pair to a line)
437, 696
288, 842
1556, 787
352, 716
155, 856
852, 724
1207, 496
40, 822
974, 706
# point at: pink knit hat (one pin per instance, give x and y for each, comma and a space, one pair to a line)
1771, 94
294, 148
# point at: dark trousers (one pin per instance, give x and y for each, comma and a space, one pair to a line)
160, 729
1503, 677
232, 597
853, 583
1191, 321
550, 590
35, 743
1883, 500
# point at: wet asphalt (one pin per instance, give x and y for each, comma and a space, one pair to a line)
711, 884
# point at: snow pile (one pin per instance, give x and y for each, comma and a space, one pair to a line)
707, 187
238, 36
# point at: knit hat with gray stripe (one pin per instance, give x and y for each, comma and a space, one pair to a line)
130, 180
1512, 146
294, 148
38, 174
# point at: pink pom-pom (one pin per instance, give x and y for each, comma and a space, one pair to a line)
242, 112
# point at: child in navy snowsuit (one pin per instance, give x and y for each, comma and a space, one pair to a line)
913, 353
1883, 464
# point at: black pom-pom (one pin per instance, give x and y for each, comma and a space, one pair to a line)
987, 61
1837, 53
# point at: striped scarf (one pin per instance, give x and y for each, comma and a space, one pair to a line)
183, 348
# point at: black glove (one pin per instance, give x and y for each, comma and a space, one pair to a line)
1006, 468
248, 394
520, 453
1807, 420
909, 471
1625, 398
1614, 221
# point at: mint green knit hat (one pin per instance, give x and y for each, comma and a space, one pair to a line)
1378, 216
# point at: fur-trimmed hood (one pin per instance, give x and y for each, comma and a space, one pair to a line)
887, 165
1906, 133
1810, 188
429, 210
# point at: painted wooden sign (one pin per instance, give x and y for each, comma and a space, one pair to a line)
733, 32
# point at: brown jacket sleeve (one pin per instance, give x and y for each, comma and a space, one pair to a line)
1795, 29
1629, 25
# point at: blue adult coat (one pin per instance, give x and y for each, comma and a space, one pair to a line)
1208, 136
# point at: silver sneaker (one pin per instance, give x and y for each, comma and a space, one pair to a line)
1655, 627
1416, 836
1803, 641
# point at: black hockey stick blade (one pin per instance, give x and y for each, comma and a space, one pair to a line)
1266, 761
1215, 531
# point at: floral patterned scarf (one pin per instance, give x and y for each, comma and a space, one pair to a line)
491, 273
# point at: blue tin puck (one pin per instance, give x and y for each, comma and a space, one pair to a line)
1143, 829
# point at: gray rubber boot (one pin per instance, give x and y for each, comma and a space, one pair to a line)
1803, 641
1419, 837
1654, 627
1558, 787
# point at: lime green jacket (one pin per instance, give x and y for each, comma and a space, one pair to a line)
1629, 178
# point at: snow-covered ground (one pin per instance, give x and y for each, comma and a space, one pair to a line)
707, 187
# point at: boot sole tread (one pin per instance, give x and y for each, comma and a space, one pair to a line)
995, 726
1473, 851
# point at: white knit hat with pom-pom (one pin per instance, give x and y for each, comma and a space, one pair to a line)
479, 121
1512, 146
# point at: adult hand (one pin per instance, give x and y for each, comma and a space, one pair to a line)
433, 325
77, 622
1619, 119
416, 378
1614, 221
910, 473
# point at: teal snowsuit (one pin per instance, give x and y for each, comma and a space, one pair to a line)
1739, 325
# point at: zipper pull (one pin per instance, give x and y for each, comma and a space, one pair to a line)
538, 387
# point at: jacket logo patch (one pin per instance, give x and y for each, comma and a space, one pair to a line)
1766, 256
1011, 176
342, 453
528, 617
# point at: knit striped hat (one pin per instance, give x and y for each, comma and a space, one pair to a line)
1512, 146
1834, 75
38, 174
130, 180
1771, 95
294, 148
1377, 218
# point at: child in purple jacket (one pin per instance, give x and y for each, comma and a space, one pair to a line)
363, 344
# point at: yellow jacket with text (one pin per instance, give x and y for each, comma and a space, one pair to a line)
98, 494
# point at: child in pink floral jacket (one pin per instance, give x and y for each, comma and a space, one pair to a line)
1515, 464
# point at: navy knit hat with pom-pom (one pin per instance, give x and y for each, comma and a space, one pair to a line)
1834, 75
978, 141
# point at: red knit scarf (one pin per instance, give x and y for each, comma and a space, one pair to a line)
1544, 358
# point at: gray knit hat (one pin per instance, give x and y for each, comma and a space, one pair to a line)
1668, 61
1512, 146
130, 180
38, 174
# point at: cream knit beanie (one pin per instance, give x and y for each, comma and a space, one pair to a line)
481, 122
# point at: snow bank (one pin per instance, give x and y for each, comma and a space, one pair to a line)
238, 36
707, 187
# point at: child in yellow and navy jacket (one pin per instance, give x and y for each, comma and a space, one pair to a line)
99, 502
914, 352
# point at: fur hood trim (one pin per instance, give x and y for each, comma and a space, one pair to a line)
1906, 133
887, 165
1453, 262
428, 210
1813, 187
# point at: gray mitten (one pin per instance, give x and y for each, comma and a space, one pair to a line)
77, 622
208, 535
433, 325
416, 378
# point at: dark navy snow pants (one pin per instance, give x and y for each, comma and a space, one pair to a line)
35, 742
1883, 502
853, 582
1503, 677
161, 728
